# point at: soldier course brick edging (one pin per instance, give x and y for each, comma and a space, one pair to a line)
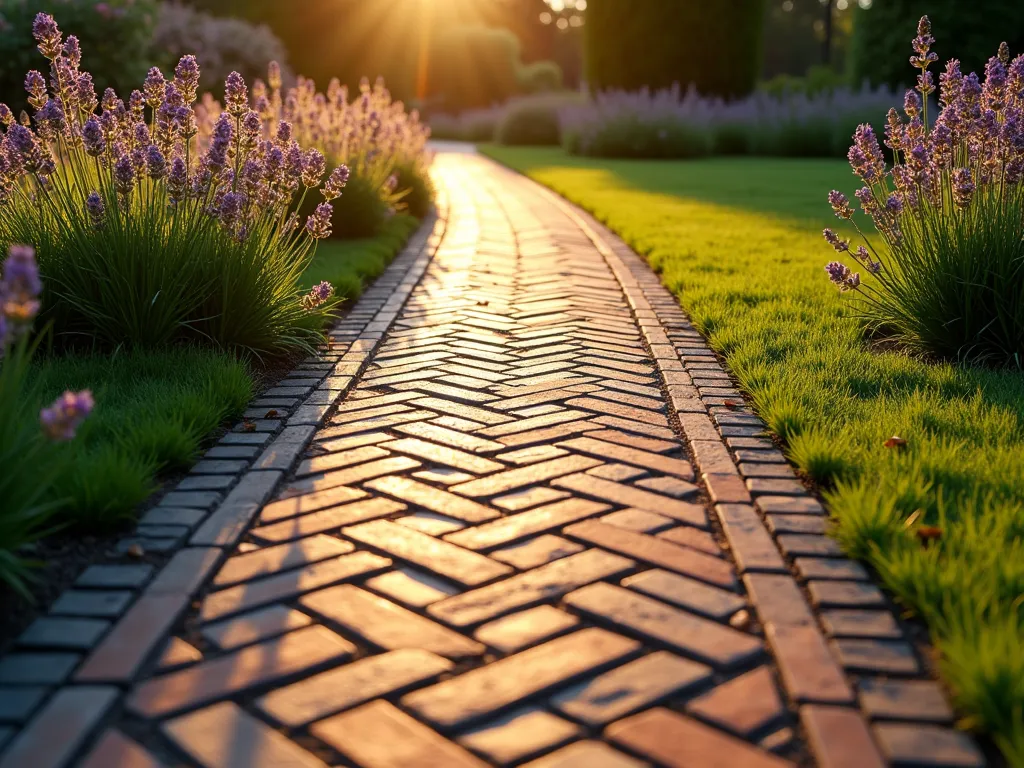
100, 632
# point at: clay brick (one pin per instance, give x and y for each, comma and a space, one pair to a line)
385, 624
233, 673
72, 713
655, 551
453, 562
528, 589
709, 642
751, 544
379, 735
351, 684
839, 737
638, 498
512, 633
226, 736
743, 705
628, 688
676, 741
518, 736
484, 690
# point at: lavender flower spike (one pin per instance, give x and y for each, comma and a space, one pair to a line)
20, 286
318, 295
47, 34
318, 225
62, 419
95, 209
335, 183
840, 204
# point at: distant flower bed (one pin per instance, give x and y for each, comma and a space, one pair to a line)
522, 120
143, 239
673, 124
947, 277
382, 145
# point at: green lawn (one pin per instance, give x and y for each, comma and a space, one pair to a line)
156, 410
349, 265
738, 242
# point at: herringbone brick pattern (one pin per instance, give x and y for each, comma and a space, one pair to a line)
497, 551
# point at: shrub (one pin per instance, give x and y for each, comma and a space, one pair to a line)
474, 66
114, 37
880, 34
950, 212
713, 46
534, 120
471, 125
415, 178
818, 80
540, 77
31, 462
144, 240
221, 45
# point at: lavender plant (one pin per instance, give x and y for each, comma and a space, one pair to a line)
27, 451
370, 135
946, 276
673, 123
144, 237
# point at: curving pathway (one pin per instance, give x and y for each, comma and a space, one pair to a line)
516, 515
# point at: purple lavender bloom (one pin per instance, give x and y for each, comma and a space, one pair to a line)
177, 181
335, 183
963, 187
22, 139
318, 225
994, 90
230, 208
837, 272
141, 134
318, 295
250, 131
124, 176
912, 104
6, 115
21, 273
186, 77
236, 95
835, 241
284, 133
72, 51
156, 163
92, 136
110, 100
95, 209
154, 87
274, 75
36, 87
47, 34
840, 204
313, 167
86, 92
62, 419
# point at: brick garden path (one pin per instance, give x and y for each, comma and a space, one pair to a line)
525, 536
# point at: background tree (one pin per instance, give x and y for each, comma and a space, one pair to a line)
715, 46
882, 34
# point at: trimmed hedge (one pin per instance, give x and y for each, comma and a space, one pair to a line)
882, 34
716, 46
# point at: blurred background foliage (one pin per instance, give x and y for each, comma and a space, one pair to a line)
449, 56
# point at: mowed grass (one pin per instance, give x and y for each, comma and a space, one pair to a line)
738, 242
349, 265
153, 412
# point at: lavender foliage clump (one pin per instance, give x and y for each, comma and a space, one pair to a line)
159, 232
945, 245
672, 123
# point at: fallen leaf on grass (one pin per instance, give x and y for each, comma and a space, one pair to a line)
895, 442
926, 534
